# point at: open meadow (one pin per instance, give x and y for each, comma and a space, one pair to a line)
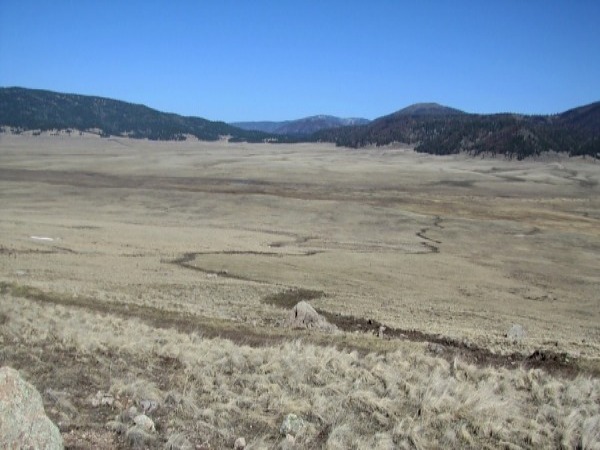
161, 275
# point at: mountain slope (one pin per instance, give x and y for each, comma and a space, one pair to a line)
33, 109
427, 109
265, 126
442, 130
299, 127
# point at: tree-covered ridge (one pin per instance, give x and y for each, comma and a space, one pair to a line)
301, 127
576, 132
32, 109
430, 127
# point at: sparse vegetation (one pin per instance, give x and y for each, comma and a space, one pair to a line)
145, 289
215, 391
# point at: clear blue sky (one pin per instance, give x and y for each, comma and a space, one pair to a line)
254, 60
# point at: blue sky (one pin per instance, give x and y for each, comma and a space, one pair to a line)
275, 60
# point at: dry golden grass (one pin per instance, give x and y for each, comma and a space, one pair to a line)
165, 260
214, 390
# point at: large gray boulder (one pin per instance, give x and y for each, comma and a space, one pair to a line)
304, 316
23, 422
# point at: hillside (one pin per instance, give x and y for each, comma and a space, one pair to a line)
441, 130
427, 110
430, 127
32, 109
299, 127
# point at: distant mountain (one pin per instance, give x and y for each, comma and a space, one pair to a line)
430, 127
439, 129
264, 126
299, 127
427, 109
33, 109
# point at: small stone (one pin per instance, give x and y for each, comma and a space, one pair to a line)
102, 399
149, 406
436, 349
516, 333
292, 424
144, 422
240, 444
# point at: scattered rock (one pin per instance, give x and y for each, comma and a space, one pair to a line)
144, 422
436, 349
516, 333
23, 422
149, 406
292, 425
240, 444
304, 316
129, 414
102, 399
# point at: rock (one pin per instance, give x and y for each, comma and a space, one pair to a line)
138, 437
149, 406
128, 415
436, 349
144, 422
292, 425
23, 422
102, 399
304, 316
381, 330
516, 333
240, 444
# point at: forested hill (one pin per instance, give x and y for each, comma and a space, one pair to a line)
430, 127
33, 109
438, 129
301, 127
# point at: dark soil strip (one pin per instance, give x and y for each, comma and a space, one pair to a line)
440, 345
243, 334
53, 250
155, 317
450, 348
186, 261
431, 247
421, 234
